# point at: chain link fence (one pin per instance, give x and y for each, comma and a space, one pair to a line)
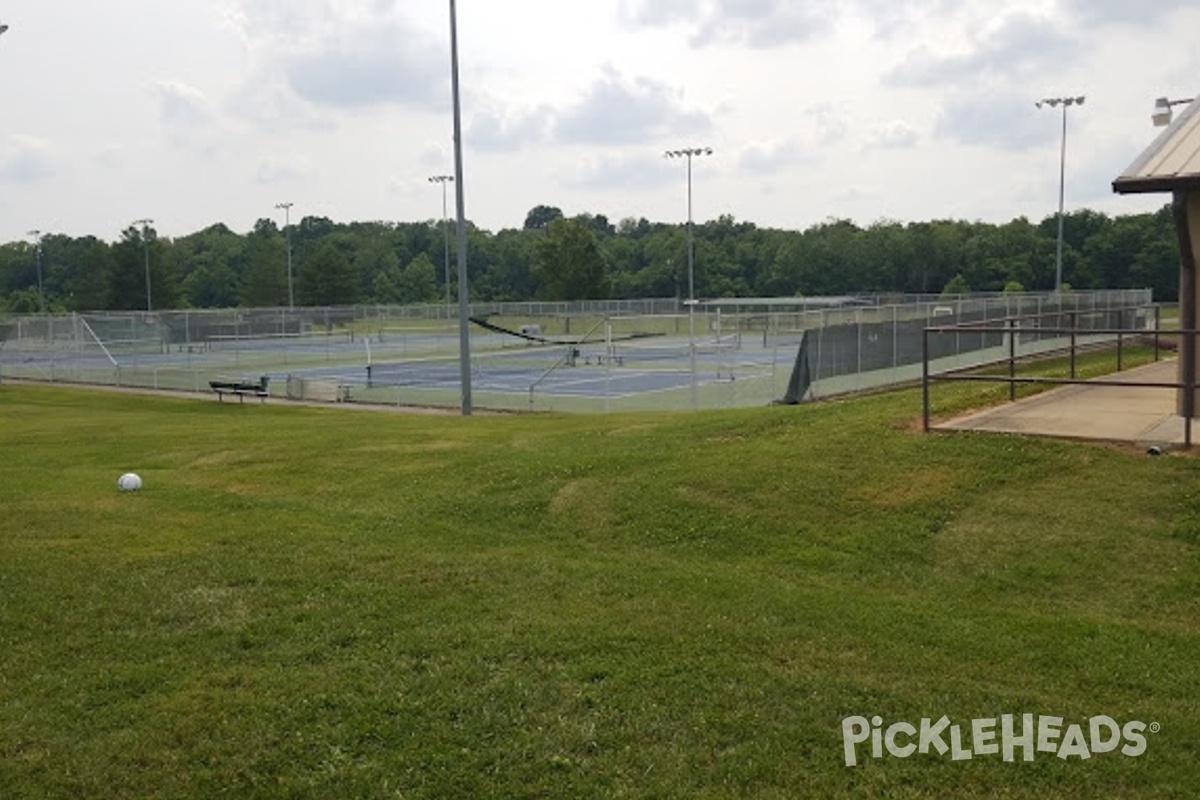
598, 356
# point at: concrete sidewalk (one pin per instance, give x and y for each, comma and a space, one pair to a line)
1107, 413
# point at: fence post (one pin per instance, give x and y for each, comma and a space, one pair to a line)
858, 346
1012, 361
925, 378
895, 343
1157, 328
1073, 316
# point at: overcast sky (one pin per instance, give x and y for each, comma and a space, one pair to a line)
193, 112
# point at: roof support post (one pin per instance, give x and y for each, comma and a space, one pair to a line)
1187, 223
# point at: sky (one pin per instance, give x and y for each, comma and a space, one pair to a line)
194, 112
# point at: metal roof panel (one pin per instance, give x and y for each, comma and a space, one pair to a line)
1171, 162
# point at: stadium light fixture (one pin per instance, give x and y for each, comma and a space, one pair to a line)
443, 180
464, 331
146, 223
1065, 102
689, 153
287, 233
37, 249
1162, 114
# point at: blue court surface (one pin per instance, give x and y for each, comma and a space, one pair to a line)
428, 362
590, 372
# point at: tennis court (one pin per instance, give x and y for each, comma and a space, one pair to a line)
421, 366
564, 369
583, 357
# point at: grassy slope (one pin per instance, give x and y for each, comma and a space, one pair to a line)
321, 603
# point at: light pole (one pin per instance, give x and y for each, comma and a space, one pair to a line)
689, 153
464, 332
1162, 114
1065, 102
145, 223
37, 249
443, 180
287, 233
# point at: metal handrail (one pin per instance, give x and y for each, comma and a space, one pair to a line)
1188, 384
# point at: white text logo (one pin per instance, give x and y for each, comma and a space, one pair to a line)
1009, 736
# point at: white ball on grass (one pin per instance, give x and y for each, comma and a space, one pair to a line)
129, 482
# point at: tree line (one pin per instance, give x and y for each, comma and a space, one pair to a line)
553, 257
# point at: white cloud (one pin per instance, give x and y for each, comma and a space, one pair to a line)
507, 130
109, 157
343, 54
27, 160
275, 171
1092, 12
765, 23
410, 188
1016, 48
622, 173
926, 104
617, 110
768, 158
188, 118
1008, 120
897, 19
751, 23
369, 67
437, 158
182, 105
894, 135
827, 124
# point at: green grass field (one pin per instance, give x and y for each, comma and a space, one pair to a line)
327, 603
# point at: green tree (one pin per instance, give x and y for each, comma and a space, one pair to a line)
134, 257
509, 277
374, 253
568, 263
418, 281
540, 217
386, 286
956, 285
23, 301
209, 266
265, 280
87, 278
211, 287
328, 279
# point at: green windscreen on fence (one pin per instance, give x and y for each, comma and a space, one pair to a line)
801, 375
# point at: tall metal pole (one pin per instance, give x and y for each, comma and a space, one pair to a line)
691, 238
691, 288
287, 234
1062, 193
443, 180
145, 223
1054, 102
688, 153
464, 332
37, 249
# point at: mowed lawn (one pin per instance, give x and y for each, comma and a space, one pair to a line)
327, 603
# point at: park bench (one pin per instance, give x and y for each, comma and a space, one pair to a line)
241, 388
